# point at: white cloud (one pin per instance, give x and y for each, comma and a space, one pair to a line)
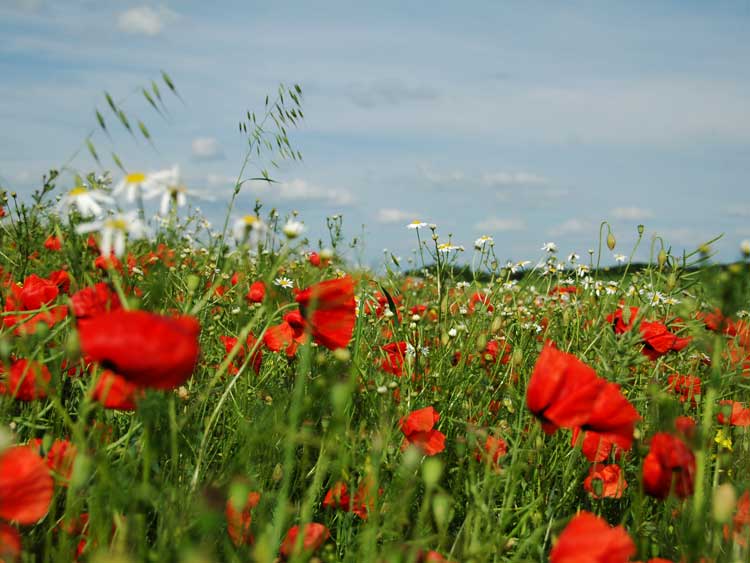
571, 227
513, 180
388, 92
497, 224
206, 148
434, 177
144, 20
739, 210
299, 190
394, 216
632, 213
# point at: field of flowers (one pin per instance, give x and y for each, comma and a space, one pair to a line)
171, 393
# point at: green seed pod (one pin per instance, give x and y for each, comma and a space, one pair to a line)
641, 228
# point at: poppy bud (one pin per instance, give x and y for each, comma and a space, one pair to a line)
724, 502
745, 248
661, 258
432, 469
641, 228
611, 241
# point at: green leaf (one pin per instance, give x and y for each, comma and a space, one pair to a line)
144, 131
92, 150
118, 163
100, 119
111, 102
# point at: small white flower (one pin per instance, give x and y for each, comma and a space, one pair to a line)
462, 285
86, 201
249, 229
483, 241
448, 247
293, 229
416, 224
655, 297
452, 332
114, 230
620, 258
573, 257
382, 389
286, 283
550, 247
671, 301
167, 185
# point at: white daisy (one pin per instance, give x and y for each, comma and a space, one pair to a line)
448, 247
620, 258
416, 224
293, 229
286, 283
87, 202
550, 247
137, 183
482, 241
249, 229
114, 230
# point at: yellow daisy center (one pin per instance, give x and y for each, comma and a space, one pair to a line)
118, 224
249, 220
79, 190
135, 178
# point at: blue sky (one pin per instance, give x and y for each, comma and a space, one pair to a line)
526, 121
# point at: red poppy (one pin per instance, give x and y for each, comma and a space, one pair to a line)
418, 430
146, 349
561, 389
686, 387
95, 300
360, 504
431, 557
257, 292
287, 335
738, 416
685, 427
394, 360
483, 298
589, 539
239, 519
60, 459
27, 380
494, 449
330, 310
115, 392
741, 520
605, 481
53, 243
596, 447
658, 340
668, 467
25, 486
230, 342
622, 320
35, 293
10, 543
313, 536
61, 279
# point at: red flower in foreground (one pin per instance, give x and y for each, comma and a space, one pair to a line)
27, 380
565, 392
330, 310
596, 447
589, 539
605, 481
418, 430
739, 415
239, 519
394, 360
146, 349
287, 335
658, 340
668, 466
314, 535
25, 486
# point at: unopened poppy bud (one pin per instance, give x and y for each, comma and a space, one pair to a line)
278, 473
72, 345
517, 357
611, 241
5, 349
432, 469
441, 510
671, 281
81, 471
192, 282
724, 502
326, 254
745, 248
641, 228
342, 354
661, 258
339, 398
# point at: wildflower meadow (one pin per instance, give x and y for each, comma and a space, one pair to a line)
179, 390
